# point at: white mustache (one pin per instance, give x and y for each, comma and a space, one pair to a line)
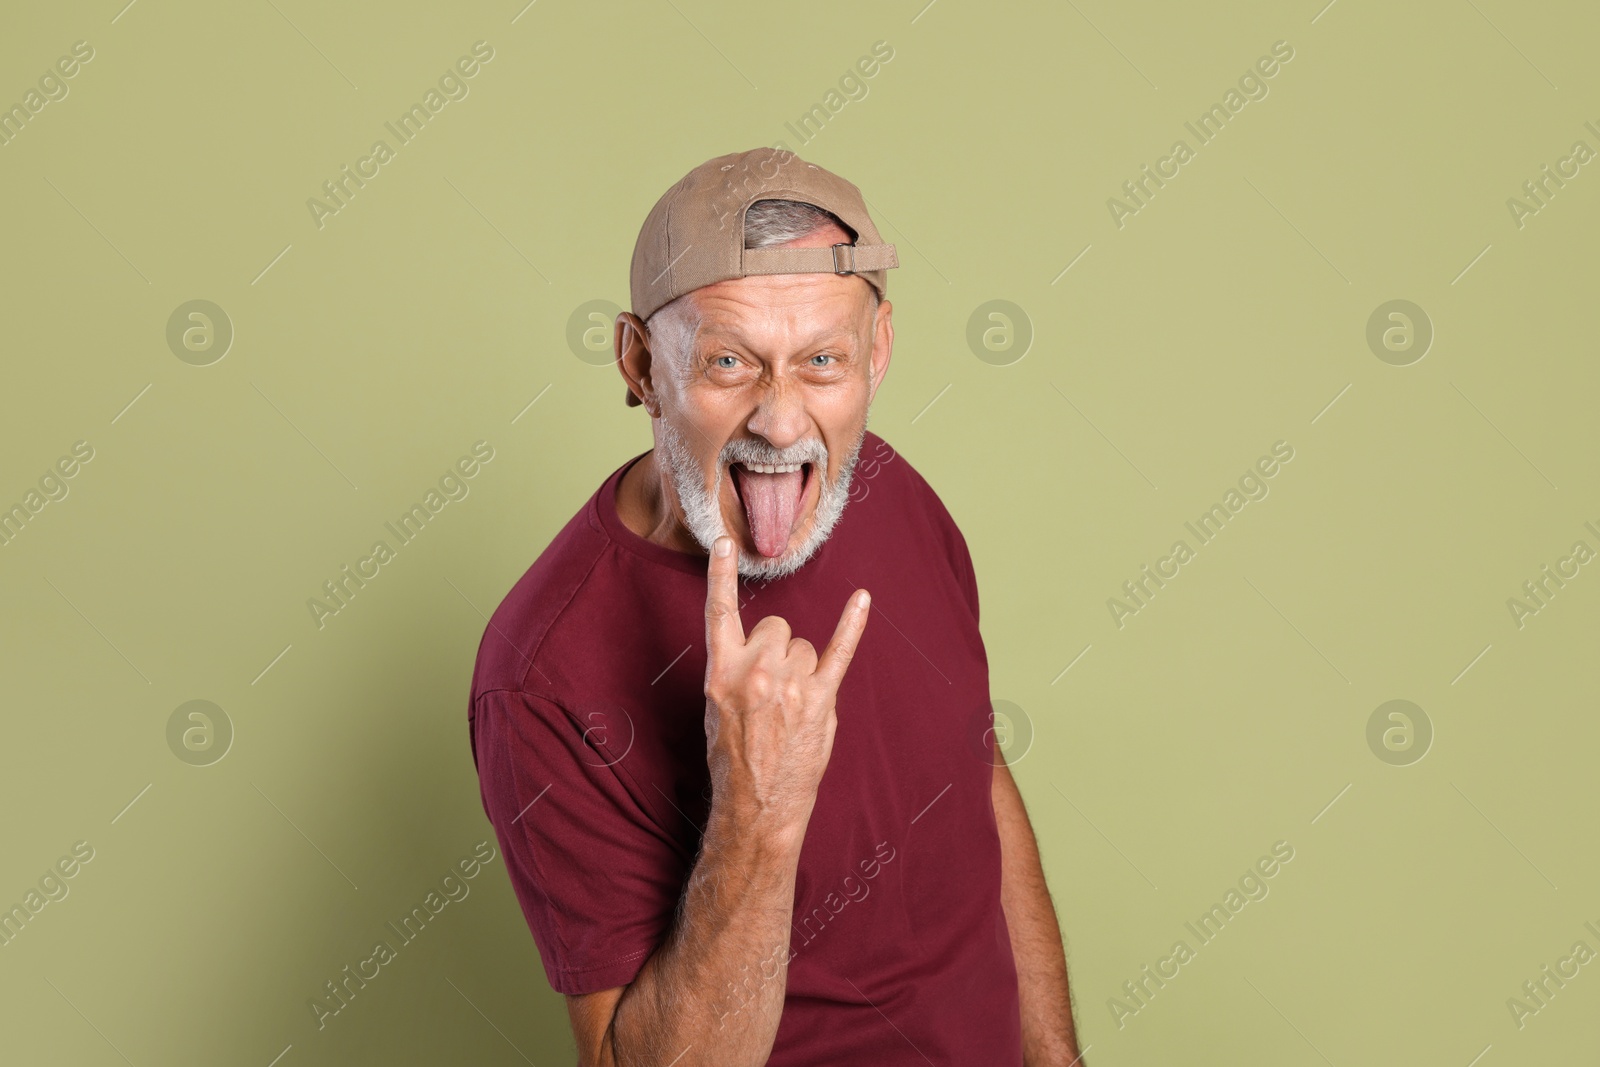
748, 452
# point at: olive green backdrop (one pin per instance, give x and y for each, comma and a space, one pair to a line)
1143, 359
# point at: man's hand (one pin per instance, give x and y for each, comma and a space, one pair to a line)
770, 716
769, 732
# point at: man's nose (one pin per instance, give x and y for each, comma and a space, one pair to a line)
781, 417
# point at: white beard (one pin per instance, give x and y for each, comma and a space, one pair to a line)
702, 511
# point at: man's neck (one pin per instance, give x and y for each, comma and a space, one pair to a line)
645, 505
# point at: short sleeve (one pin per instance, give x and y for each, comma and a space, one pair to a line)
962, 561
597, 878
955, 546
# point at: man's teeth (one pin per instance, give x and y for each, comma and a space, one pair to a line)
772, 468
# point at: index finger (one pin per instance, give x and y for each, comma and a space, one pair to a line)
841, 649
724, 630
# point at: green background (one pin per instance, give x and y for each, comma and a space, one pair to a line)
1230, 313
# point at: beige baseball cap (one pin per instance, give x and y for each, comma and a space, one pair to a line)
694, 236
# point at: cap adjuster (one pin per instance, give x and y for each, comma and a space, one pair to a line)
837, 269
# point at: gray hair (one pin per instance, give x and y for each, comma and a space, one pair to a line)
775, 222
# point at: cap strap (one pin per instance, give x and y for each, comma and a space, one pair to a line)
838, 259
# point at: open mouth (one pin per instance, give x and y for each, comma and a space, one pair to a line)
771, 495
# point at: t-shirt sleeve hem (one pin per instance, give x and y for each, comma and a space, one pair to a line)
575, 981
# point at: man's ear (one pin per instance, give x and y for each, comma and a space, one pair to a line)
882, 345
633, 360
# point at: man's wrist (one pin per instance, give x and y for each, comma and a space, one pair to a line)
753, 837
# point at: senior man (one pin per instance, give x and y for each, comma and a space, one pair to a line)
731, 847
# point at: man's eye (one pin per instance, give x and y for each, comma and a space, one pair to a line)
821, 356
731, 363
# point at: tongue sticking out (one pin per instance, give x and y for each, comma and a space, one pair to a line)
771, 502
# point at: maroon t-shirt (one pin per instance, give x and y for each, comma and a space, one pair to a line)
587, 726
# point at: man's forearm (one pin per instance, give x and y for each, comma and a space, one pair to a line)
716, 985
1048, 1036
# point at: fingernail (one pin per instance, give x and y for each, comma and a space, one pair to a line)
863, 598
723, 546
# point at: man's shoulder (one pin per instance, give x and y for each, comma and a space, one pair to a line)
906, 498
517, 629
882, 468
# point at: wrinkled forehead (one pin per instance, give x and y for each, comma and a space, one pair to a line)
779, 311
